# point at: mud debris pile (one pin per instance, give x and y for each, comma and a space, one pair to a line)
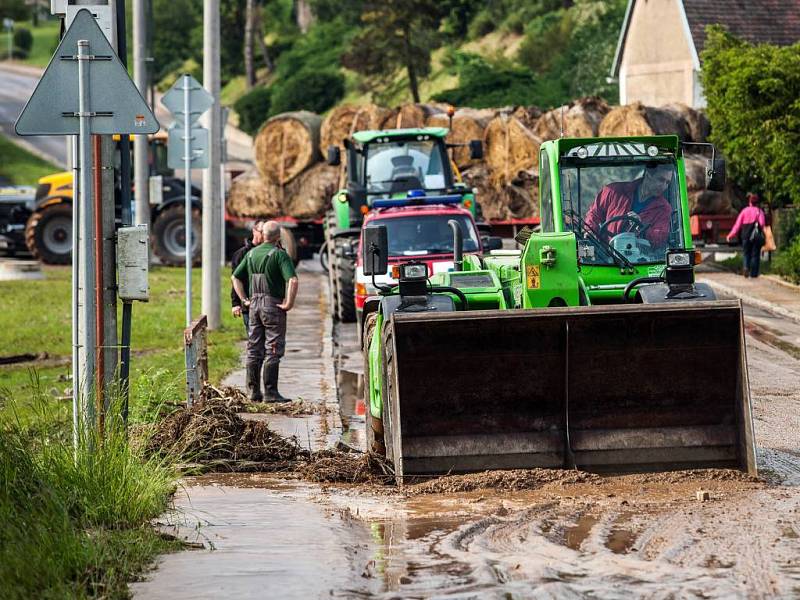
331, 466
505, 481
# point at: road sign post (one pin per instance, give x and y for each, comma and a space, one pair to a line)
9, 25
187, 100
95, 96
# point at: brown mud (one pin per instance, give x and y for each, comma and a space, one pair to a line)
515, 534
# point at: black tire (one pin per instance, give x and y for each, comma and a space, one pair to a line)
323, 256
345, 289
168, 236
48, 234
387, 389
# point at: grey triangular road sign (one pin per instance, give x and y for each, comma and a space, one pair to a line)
199, 99
53, 107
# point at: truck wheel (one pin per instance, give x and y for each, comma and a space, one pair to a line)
345, 289
289, 244
168, 236
48, 234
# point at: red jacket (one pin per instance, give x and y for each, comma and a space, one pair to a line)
616, 199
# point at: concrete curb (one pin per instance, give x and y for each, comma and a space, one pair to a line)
782, 282
752, 300
21, 69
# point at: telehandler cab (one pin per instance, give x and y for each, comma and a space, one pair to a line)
589, 348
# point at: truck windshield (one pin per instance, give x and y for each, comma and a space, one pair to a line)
426, 234
398, 166
620, 213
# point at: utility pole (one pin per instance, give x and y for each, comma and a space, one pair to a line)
212, 203
140, 162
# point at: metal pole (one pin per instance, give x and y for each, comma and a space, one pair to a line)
187, 210
88, 340
75, 291
212, 211
99, 375
140, 145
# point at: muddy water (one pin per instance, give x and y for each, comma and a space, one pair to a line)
620, 537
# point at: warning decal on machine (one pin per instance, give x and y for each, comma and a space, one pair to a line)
532, 272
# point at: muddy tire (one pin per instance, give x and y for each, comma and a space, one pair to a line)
387, 389
373, 425
331, 263
345, 289
48, 234
168, 236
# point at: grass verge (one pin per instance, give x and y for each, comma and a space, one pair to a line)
45, 40
74, 524
20, 167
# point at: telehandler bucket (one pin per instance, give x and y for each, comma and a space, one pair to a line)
621, 388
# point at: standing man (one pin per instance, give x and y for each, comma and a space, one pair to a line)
236, 304
273, 288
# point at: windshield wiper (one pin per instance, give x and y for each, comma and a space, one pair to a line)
585, 230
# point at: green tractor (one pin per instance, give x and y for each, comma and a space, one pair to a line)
592, 347
407, 170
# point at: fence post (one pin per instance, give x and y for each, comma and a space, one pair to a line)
196, 344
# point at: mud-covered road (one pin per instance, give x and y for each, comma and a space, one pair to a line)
559, 535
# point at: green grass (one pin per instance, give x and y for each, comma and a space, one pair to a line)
74, 524
20, 167
45, 40
157, 364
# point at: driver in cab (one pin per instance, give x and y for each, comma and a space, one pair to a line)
640, 206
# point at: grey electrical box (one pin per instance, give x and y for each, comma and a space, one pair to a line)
133, 262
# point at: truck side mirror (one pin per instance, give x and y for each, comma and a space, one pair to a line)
334, 156
492, 242
715, 174
375, 250
476, 149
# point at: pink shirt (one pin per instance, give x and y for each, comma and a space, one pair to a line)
748, 216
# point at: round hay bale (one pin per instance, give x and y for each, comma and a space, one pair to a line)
286, 145
510, 147
515, 200
637, 119
527, 115
410, 116
468, 125
695, 166
309, 194
346, 119
697, 121
581, 119
252, 196
706, 202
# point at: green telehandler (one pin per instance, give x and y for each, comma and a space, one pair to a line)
592, 347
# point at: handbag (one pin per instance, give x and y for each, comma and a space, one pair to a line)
769, 240
757, 235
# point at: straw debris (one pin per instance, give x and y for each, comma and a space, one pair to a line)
506, 481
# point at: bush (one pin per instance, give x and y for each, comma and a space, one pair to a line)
483, 24
787, 262
253, 109
23, 39
484, 85
316, 91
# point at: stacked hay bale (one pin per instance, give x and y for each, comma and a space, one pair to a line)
291, 179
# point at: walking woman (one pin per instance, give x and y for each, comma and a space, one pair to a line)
751, 223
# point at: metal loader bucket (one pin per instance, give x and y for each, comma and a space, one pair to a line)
620, 388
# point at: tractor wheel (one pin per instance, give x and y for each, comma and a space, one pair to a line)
387, 389
345, 289
48, 234
329, 246
168, 236
323, 256
374, 427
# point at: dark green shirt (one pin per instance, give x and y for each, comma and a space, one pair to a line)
278, 268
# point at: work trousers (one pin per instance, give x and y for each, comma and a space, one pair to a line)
246, 321
751, 254
267, 331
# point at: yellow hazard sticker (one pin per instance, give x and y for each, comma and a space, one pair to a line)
532, 272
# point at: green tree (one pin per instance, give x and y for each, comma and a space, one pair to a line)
396, 34
316, 91
753, 96
14, 9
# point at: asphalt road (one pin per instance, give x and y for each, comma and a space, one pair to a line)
16, 86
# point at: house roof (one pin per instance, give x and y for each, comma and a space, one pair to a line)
756, 21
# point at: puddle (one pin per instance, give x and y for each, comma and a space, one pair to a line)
575, 535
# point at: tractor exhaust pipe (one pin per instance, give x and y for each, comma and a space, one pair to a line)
458, 245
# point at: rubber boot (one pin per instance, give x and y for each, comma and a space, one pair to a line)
271, 383
253, 383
